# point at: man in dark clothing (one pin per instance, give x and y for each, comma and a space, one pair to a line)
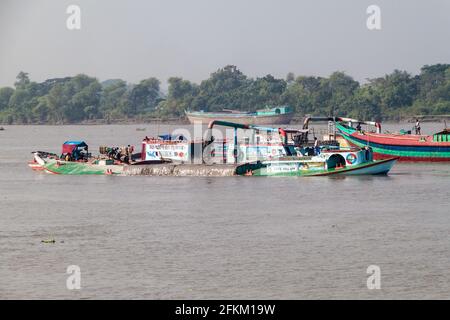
316, 146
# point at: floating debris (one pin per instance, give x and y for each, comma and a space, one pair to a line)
48, 241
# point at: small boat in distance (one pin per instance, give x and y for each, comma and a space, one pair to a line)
269, 116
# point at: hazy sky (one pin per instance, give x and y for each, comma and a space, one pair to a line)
136, 39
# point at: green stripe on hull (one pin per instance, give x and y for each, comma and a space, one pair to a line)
75, 168
322, 172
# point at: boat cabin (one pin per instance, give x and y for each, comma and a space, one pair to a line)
75, 150
175, 148
179, 149
443, 136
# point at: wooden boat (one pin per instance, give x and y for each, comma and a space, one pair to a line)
58, 166
75, 160
38, 162
34, 165
270, 116
407, 147
79, 168
332, 162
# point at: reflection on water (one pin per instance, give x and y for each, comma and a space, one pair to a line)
229, 237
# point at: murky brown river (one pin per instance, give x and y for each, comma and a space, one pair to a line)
229, 237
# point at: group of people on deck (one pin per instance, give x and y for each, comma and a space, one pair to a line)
123, 154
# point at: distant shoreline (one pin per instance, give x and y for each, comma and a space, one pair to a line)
181, 122
105, 122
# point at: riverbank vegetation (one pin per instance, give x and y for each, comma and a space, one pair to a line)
84, 99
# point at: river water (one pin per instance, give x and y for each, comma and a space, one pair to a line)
217, 238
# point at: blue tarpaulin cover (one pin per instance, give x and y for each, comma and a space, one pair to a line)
78, 143
72, 147
170, 137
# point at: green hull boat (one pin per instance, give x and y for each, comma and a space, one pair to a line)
297, 168
337, 162
80, 168
57, 166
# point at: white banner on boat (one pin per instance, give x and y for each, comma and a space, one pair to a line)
176, 151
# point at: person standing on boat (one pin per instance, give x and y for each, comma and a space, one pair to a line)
378, 127
316, 146
129, 153
417, 127
358, 127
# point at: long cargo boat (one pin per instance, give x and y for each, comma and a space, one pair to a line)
270, 116
76, 160
281, 157
407, 147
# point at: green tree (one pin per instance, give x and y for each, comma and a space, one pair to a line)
263, 92
41, 112
225, 88
56, 100
144, 97
114, 100
290, 77
431, 78
396, 90
22, 80
5, 96
340, 88
180, 96
303, 95
364, 104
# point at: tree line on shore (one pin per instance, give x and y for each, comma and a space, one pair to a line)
83, 98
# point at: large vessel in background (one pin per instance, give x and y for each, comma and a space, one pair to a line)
269, 116
404, 145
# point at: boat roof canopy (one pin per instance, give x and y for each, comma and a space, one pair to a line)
372, 123
77, 143
71, 146
336, 119
445, 131
170, 137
